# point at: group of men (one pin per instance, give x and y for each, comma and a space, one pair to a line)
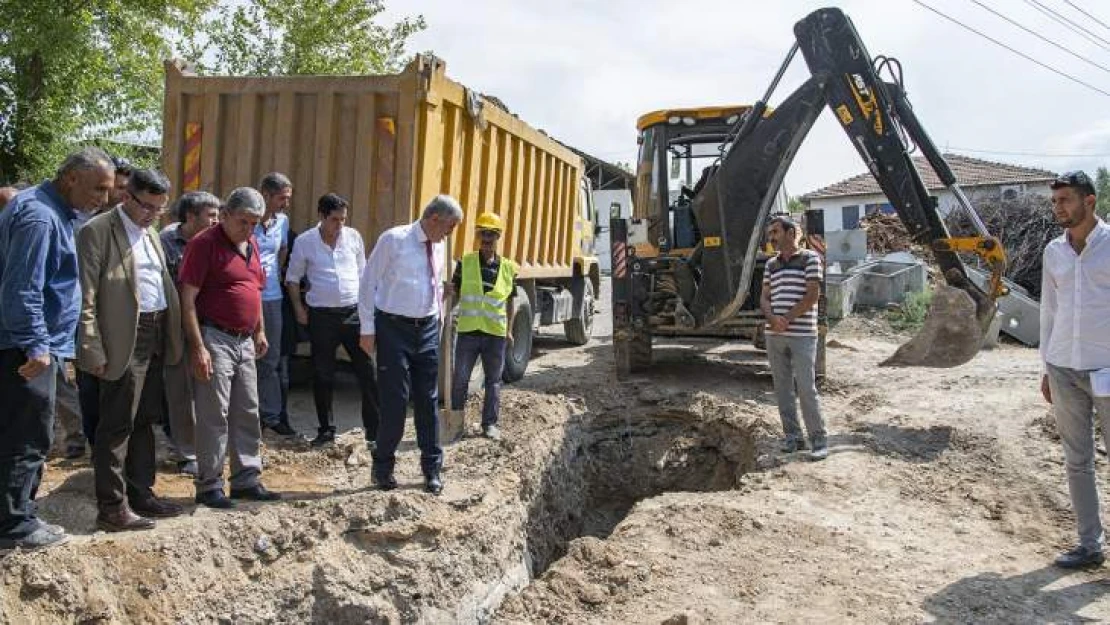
1074, 345
187, 327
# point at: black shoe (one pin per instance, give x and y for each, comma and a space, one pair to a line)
214, 499
433, 483
282, 428
1080, 558
257, 492
327, 437
385, 482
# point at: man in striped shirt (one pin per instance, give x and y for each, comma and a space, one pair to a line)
791, 286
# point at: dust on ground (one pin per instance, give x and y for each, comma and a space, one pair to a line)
659, 499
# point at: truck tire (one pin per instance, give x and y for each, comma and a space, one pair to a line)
633, 354
579, 328
519, 353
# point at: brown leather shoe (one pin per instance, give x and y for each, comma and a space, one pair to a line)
121, 519
156, 508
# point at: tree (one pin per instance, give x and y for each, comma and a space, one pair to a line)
1102, 186
285, 37
71, 70
795, 206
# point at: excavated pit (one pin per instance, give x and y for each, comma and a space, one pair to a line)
610, 462
359, 555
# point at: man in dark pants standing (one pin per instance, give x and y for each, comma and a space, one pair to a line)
331, 256
40, 299
130, 326
272, 235
400, 307
484, 283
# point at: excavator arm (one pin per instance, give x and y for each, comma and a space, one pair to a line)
734, 204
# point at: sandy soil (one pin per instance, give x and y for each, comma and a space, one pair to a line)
660, 499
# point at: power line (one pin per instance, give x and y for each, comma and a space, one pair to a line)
1043, 38
1017, 52
1077, 8
1088, 35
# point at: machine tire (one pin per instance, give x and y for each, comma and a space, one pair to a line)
519, 353
579, 329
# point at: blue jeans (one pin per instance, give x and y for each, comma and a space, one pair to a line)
793, 366
26, 433
468, 348
271, 399
407, 359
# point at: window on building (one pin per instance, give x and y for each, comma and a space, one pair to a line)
849, 217
874, 209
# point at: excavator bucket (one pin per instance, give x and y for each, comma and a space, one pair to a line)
950, 336
955, 324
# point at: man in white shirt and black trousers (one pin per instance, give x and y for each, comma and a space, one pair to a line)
331, 256
1075, 347
400, 307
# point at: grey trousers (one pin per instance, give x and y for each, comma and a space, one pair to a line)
271, 410
181, 410
792, 360
1075, 406
227, 414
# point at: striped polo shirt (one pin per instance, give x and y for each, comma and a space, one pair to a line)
787, 281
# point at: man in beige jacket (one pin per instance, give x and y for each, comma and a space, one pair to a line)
130, 325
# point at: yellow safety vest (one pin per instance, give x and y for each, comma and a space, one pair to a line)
481, 311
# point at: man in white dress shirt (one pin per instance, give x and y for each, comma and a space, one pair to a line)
1075, 347
400, 307
331, 257
130, 325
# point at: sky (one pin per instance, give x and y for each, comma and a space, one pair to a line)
585, 70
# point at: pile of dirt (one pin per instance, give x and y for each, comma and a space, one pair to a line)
342, 552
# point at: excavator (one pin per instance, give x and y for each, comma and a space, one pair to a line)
690, 262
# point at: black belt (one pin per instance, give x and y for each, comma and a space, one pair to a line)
334, 310
418, 322
152, 316
239, 334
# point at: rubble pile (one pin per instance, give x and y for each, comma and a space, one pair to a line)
1024, 225
887, 234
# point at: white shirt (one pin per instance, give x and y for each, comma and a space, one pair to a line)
397, 278
148, 266
333, 274
1075, 302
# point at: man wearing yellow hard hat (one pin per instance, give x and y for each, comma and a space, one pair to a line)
485, 283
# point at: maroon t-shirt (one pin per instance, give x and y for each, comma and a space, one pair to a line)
230, 285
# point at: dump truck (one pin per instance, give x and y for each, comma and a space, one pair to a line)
690, 262
389, 144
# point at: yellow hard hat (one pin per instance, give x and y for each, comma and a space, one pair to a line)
489, 221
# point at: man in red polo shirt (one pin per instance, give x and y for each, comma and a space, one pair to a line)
221, 297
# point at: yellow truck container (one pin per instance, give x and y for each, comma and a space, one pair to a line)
389, 144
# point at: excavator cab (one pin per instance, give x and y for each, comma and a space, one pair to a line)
680, 149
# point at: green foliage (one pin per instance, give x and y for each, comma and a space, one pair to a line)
795, 206
72, 69
1102, 186
75, 72
910, 314
285, 37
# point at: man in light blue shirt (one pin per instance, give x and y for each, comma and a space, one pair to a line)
40, 299
272, 234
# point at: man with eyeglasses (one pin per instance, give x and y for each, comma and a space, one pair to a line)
130, 326
1075, 348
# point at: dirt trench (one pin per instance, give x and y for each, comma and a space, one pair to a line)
360, 555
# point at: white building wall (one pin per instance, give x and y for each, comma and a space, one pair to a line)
946, 201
